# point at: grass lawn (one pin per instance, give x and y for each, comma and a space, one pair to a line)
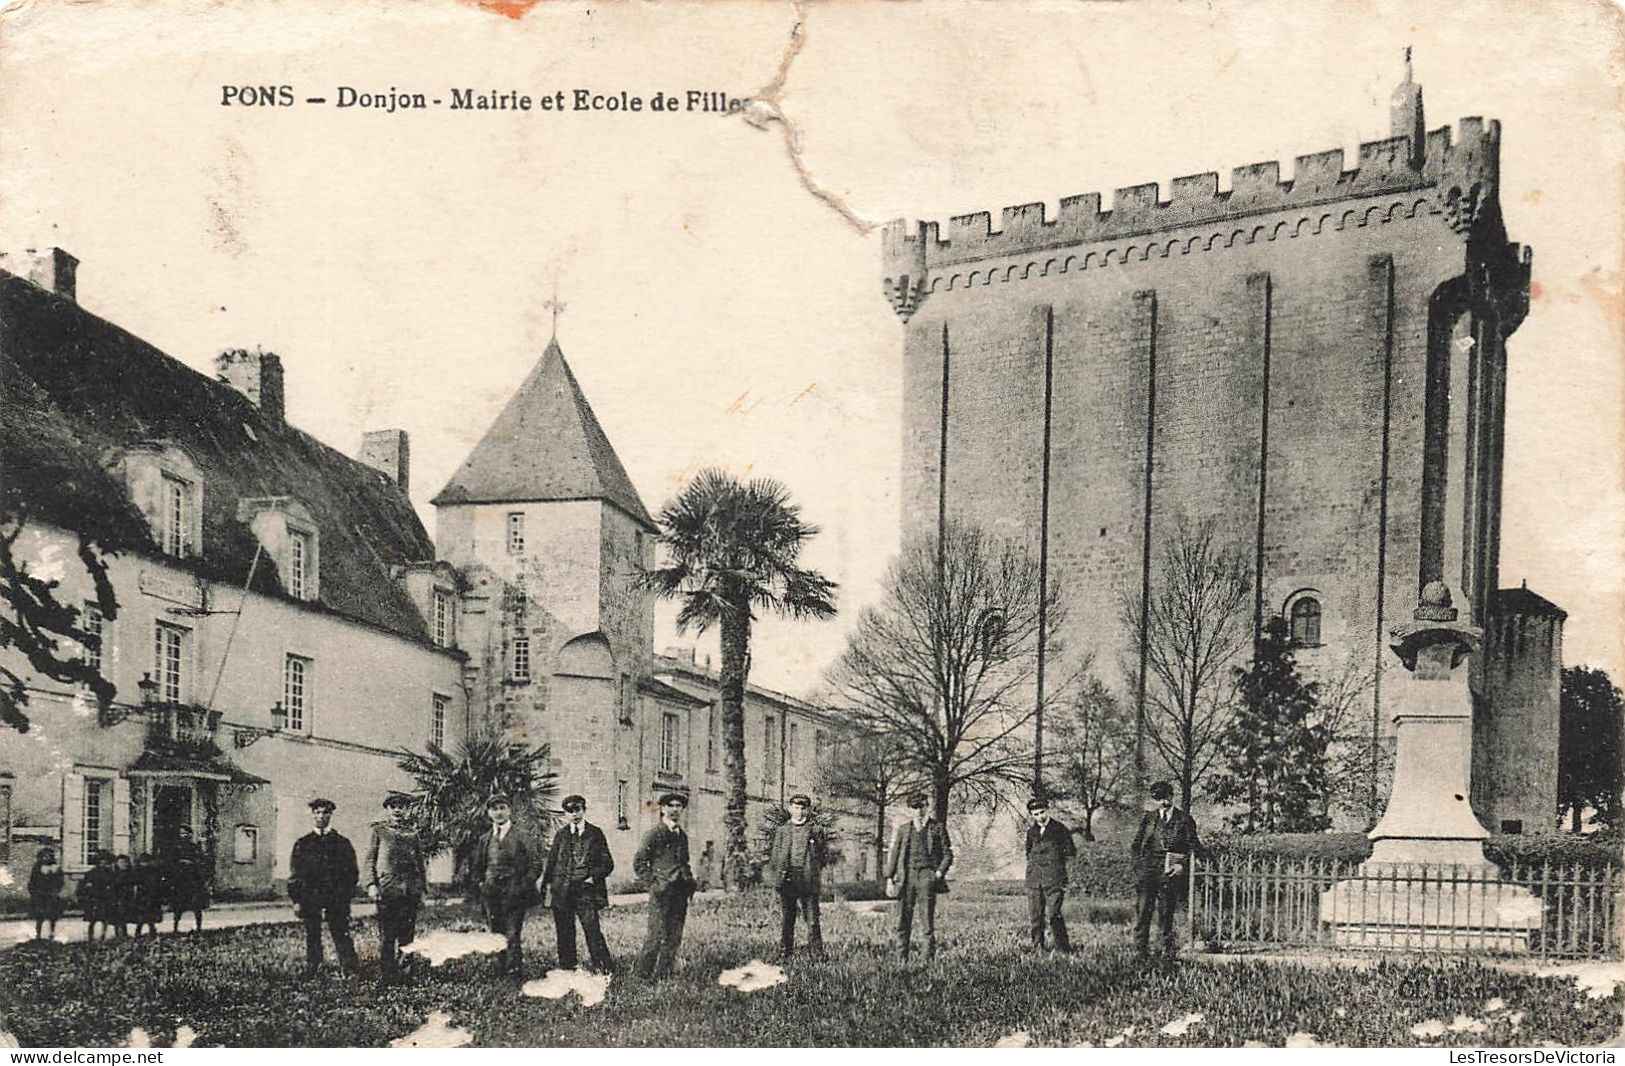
239, 987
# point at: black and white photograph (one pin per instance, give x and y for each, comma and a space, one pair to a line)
541, 524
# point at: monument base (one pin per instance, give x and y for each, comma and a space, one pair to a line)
1455, 907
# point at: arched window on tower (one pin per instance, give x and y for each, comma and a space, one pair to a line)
1305, 622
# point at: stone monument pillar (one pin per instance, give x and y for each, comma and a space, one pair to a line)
1427, 883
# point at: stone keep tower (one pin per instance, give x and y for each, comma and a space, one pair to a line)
547, 535
1317, 365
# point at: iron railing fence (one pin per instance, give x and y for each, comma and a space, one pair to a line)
1546, 909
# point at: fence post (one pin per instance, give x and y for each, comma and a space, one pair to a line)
1190, 902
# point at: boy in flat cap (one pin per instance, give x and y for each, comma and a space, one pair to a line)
504, 868
576, 882
1162, 851
795, 864
1049, 846
916, 870
397, 875
661, 863
322, 880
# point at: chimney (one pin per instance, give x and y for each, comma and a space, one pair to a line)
257, 375
388, 451
51, 269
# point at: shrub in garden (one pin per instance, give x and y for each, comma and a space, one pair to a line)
1339, 847
1590, 852
1104, 868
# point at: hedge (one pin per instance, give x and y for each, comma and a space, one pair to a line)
1590, 851
1106, 868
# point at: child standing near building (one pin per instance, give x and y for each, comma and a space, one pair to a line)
149, 887
122, 896
45, 883
95, 894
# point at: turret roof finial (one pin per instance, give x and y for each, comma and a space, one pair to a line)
556, 306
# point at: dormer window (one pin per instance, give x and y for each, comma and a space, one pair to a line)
443, 634
299, 559
176, 516
166, 486
289, 538
434, 588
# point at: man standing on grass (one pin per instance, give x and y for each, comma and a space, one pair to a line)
916, 870
504, 868
662, 864
1049, 846
795, 866
1162, 852
321, 880
396, 877
577, 883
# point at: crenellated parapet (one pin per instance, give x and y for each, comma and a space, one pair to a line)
1455, 177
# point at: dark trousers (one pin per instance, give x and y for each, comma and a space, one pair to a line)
1044, 906
919, 892
795, 895
397, 927
1160, 895
336, 916
667, 912
568, 908
507, 917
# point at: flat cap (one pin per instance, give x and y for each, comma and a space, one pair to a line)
801, 798
916, 802
574, 803
397, 799
1038, 803
673, 797
498, 798
320, 804
1162, 790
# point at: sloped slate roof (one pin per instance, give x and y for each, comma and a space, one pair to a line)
545, 445
77, 391
1522, 601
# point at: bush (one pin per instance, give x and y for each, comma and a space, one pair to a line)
1104, 868
1589, 852
1336, 847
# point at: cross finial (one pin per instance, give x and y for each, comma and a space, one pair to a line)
556, 306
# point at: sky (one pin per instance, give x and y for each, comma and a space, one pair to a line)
720, 276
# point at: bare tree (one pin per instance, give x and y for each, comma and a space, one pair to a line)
944, 666
1197, 623
1356, 769
864, 767
1094, 747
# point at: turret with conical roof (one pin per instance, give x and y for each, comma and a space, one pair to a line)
549, 539
546, 445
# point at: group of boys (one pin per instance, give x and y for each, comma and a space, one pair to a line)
509, 872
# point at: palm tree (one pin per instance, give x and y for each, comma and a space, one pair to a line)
731, 550
452, 790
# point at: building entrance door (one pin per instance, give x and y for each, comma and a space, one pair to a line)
171, 809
